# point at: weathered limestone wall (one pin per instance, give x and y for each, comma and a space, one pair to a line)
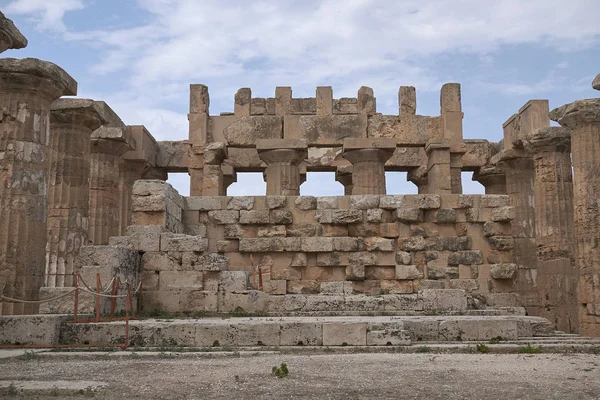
196, 251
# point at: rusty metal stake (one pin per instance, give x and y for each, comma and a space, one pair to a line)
98, 286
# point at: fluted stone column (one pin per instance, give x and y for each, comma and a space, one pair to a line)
583, 118
27, 87
72, 121
368, 157
492, 178
550, 148
438, 166
109, 144
283, 158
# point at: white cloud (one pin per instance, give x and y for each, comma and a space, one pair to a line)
47, 14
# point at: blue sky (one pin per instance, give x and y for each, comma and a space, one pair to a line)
141, 56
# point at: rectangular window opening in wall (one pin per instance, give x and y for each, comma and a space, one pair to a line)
321, 184
180, 181
248, 184
470, 186
396, 183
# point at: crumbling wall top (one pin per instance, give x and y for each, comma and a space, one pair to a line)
10, 36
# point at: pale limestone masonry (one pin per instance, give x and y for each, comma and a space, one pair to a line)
84, 193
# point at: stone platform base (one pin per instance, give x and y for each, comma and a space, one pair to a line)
307, 331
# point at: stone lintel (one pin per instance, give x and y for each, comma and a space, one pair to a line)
508, 154
276, 144
437, 144
13, 38
596, 82
145, 145
42, 69
84, 112
551, 137
369, 143
577, 113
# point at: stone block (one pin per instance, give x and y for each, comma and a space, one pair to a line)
449, 243
223, 217
120, 241
409, 215
339, 216
233, 281
241, 203
39, 330
158, 261
468, 257
478, 329
415, 243
306, 203
348, 244
468, 285
301, 334
344, 334
281, 217
203, 203
299, 260
227, 246
355, 272
388, 337
505, 213
444, 300
250, 301
214, 335
305, 286
336, 288
502, 243
64, 305
446, 216
180, 242
261, 245
276, 201
210, 262
275, 287
403, 257
327, 203
272, 231
181, 279
427, 201
503, 271
491, 228
375, 215
364, 202
408, 272
316, 244
503, 300
381, 244
246, 131
494, 200
254, 217
392, 202
255, 334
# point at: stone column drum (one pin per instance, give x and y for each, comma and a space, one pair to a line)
583, 118
368, 157
438, 166
72, 121
550, 148
492, 178
283, 158
27, 87
108, 146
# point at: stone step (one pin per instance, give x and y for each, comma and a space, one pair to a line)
306, 331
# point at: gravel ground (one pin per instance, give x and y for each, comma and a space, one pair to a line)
325, 376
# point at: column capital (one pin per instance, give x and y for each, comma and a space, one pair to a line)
368, 149
10, 36
552, 138
292, 151
84, 112
21, 72
580, 112
437, 144
112, 140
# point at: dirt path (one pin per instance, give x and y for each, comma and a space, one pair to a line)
347, 377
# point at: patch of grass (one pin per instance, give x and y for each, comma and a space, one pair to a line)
529, 349
281, 372
29, 355
11, 390
423, 349
482, 348
495, 340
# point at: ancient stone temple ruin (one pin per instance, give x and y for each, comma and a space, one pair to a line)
82, 193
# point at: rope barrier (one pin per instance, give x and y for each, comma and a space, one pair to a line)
36, 301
